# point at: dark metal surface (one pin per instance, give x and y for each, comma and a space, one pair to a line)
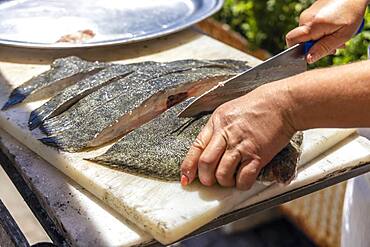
30, 198
40, 24
10, 234
286, 64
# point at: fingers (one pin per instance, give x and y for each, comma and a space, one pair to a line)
298, 35
247, 174
210, 158
325, 46
227, 168
190, 164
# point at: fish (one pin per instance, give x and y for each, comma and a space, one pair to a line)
72, 94
157, 148
63, 72
149, 70
137, 103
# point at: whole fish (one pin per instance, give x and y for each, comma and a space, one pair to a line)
136, 104
157, 148
72, 94
63, 73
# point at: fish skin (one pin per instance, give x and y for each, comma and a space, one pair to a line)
62, 73
283, 167
97, 98
149, 70
70, 95
134, 96
157, 148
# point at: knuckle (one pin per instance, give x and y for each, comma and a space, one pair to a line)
306, 30
205, 161
306, 16
250, 173
234, 157
247, 148
220, 112
187, 165
317, 20
222, 175
198, 144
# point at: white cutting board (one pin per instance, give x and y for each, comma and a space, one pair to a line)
85, 220
165, 210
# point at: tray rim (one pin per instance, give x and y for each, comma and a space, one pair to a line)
64, 46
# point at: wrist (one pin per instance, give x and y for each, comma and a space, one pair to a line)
280, 98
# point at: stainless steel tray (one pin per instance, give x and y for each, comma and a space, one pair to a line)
40, 23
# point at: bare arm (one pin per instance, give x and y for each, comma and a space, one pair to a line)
332, 97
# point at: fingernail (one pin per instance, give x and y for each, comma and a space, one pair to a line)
184, 180
310, 58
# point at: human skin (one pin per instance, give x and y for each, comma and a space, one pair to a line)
332, 22
244, 134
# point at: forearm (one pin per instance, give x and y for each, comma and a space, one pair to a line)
332, 97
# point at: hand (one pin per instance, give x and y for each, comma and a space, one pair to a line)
240, 138
332, 22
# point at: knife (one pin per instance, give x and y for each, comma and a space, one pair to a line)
285, 64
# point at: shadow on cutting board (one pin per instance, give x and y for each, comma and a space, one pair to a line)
4, 81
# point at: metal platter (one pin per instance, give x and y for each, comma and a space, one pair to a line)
45, 24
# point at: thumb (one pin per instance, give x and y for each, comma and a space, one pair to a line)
325, 46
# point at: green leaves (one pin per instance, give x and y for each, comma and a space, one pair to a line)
266, 22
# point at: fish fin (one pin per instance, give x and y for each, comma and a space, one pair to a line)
35, 120
184, 126
15, 98
50, 141
43, 127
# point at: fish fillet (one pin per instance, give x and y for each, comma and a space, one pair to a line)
72, 94
148, 70
137, 102
157, 148
63, 72
132, 101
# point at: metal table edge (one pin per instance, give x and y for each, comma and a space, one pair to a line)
32, 201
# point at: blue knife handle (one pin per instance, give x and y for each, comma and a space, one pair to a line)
308, 45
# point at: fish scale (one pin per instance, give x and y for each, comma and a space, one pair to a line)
75, 92
147, 70
132, 98
93, 101
63, 72
157, 148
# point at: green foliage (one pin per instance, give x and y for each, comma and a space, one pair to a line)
266, 22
